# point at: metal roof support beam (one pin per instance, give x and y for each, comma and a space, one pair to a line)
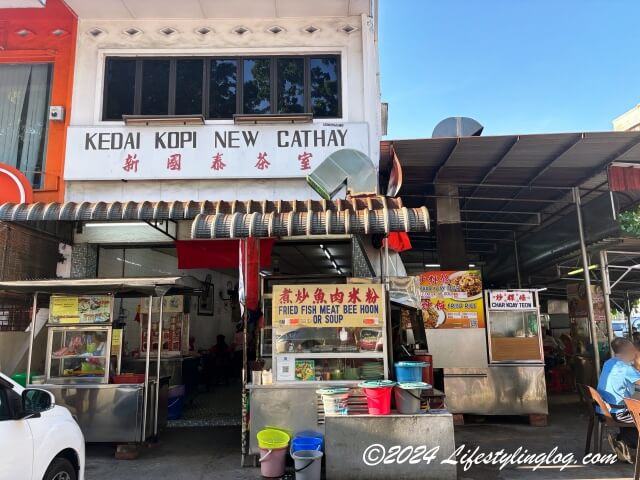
547, 166
504, 155
443, 164
587, 283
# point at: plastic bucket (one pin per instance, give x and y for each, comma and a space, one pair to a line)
335, 400
272, 438
407, 396
409, 371
378, 395
21, 378
174, 408
272, 462
307, 440
308, 464
175, 402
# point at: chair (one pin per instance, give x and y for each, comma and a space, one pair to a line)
598, 421
559, 380
634, 408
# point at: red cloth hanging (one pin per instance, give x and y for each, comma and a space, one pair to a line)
217, 253
251, 256
399, 241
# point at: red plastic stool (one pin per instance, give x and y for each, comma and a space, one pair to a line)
559, 380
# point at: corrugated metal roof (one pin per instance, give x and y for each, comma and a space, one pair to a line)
236, 219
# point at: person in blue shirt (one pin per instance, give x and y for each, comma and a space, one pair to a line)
618, 381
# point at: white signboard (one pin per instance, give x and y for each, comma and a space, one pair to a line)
206, 152
511, 300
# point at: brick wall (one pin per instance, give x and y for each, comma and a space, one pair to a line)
26, 254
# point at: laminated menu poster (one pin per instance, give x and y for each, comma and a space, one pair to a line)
353, 305
452, 299
83, 309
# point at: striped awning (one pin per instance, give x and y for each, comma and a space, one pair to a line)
241, 219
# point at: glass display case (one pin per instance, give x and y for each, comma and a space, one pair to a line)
513, 327
78, 353
342, 337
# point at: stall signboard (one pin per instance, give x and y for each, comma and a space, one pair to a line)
452, 299
353, 305
80, 309
511, 300
207, 151
579, 306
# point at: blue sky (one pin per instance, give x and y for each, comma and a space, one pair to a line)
516, 66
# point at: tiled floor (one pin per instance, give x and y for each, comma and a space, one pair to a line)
219, 408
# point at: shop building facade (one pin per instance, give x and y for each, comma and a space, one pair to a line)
216, 60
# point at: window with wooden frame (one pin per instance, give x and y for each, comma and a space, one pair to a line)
219, 87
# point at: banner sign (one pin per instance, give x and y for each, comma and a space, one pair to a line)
511, 300
452, 299
206, 152
83, 309
353, 305
579, 305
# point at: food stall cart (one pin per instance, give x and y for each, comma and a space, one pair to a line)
336, 335
513, 382
84, 350
493, 364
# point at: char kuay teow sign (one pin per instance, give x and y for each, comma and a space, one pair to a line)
511, 300
209, 151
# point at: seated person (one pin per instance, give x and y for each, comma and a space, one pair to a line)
617, 382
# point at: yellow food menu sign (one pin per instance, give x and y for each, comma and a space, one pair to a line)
352, 305
452, 299
80, 309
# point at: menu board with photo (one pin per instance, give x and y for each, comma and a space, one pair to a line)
452, 299
87, 309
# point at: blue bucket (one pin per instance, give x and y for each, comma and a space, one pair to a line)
307, 440
409, 371
175, 402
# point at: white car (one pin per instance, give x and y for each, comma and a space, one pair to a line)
38, 440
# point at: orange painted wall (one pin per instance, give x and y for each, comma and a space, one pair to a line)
41, 45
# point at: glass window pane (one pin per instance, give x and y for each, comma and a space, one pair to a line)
120, 76
189, 86
155, 87
257, 86
324, 87
24, 102
223, 88
291, 85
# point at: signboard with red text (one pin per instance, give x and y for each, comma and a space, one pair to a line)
207, 151
353, 305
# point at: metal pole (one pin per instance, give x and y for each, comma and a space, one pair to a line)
34, 313
587, 282
244, 440
606, 290
517, 259
628, 313
160, 325
387, 303
146, 373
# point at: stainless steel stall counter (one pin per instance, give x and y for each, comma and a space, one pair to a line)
367, 447
112, 413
